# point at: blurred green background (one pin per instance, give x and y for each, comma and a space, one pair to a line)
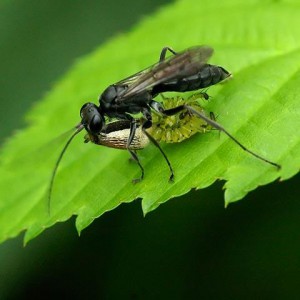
191, 247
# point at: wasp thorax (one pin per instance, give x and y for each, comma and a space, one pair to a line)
109, 93
91, 118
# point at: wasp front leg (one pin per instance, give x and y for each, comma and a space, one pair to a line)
132, 152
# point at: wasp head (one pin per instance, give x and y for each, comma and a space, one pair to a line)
91, 118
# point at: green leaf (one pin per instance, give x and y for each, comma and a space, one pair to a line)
258, 41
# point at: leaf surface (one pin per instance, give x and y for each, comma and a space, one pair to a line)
256, 40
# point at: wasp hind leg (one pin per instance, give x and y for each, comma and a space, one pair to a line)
211, 121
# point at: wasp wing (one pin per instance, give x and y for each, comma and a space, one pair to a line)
183, 64
132, 79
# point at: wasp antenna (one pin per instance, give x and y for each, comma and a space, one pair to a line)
219, 127
78, 128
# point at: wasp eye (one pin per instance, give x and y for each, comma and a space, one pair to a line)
91, 118
96, 124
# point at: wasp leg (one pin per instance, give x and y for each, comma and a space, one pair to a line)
164, 52
211, 122
136, 159
157, 106
156, 144
132, 153
147, 124
216, 125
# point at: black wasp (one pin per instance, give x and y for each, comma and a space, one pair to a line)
184, 71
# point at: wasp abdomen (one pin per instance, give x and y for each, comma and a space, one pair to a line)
207, 76
211, 75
